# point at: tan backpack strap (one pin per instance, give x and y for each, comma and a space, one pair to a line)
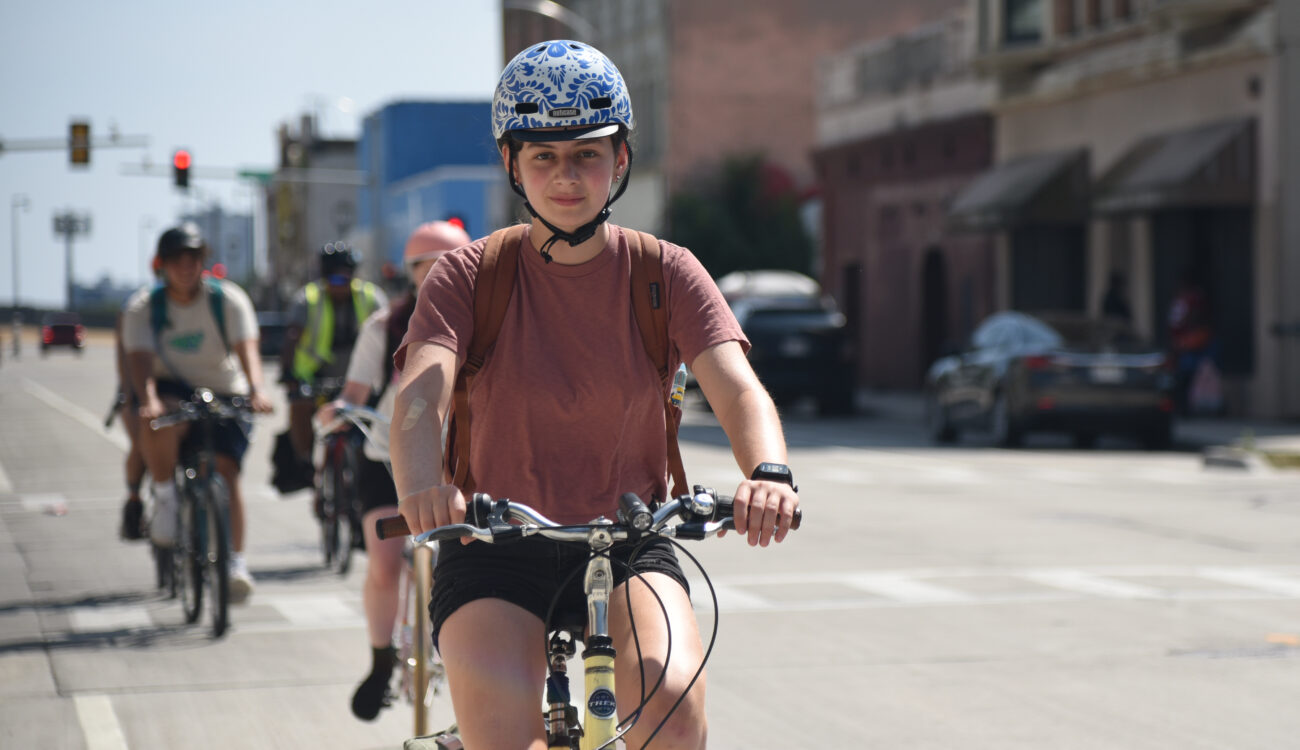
650, 305
493, 287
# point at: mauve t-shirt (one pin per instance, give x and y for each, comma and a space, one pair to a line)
567, 412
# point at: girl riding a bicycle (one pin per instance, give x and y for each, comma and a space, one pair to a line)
568, 414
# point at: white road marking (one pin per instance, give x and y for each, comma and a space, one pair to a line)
901, 588
6, 486
70, 409
99, 725
1089, 583
102, 619
317, 609
1254, 579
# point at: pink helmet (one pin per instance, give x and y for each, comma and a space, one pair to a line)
433, 240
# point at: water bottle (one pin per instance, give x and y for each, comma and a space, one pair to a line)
679, 386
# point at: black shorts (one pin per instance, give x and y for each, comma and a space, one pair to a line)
230, 438
529, 572
375, 486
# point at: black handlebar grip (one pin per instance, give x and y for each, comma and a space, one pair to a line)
725, 509
480, 508
391, 527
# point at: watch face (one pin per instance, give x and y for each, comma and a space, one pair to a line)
767, 468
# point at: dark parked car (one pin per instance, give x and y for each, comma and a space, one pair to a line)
271, 328
799, 349
1060, 372
62, 329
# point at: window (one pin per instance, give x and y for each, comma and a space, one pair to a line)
1022, 21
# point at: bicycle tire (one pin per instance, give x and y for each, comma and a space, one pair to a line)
217, 550
424, 668
187, 568
345, 487
329, 522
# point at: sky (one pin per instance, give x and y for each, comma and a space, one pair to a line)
217, 78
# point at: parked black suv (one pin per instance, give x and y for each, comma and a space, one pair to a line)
800, 348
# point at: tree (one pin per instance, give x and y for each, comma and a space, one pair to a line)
742, 217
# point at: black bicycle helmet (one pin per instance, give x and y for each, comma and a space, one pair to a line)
338, 256
181, 239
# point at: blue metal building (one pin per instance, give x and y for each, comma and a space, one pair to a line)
428, 161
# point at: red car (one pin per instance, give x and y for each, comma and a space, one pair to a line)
62, 329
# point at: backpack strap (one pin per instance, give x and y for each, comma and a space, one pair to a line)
649, 304
493, 287
217, 299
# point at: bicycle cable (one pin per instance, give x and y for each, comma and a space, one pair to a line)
635, 714
713, 639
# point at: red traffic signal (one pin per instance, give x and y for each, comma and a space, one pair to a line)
181, 168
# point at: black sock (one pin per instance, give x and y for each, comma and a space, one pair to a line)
372, 693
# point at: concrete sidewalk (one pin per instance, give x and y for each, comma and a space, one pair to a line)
1222, 440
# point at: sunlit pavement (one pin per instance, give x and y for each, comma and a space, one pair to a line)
937, 597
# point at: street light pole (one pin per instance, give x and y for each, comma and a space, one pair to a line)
19, 201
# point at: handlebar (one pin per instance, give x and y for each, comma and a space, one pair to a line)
325, 388
205, 404
701, 514
354, 414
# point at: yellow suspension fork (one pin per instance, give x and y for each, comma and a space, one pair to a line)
601, 721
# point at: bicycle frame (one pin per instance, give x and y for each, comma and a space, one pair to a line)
203, 554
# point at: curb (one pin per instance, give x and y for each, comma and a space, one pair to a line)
1234, 457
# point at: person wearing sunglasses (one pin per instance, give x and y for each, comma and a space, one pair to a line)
324, 320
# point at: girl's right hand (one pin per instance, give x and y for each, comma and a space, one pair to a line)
426, 509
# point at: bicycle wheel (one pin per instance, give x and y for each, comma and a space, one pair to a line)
345, 487
188, 555
329, 522
217, 553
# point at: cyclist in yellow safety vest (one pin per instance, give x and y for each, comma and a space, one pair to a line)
322, 328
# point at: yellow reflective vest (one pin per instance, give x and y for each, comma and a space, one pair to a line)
316, 347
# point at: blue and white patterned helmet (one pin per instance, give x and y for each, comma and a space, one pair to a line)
561, 84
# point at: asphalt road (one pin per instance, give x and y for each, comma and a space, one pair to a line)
957, 597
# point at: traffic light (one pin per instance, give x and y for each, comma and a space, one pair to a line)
181, 168
79, 143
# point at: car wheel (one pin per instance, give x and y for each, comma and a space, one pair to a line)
1159, 438
1006, 432
936, 422
1085, 440
838, 402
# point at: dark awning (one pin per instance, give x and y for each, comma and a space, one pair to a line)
1049, 188
1208, 165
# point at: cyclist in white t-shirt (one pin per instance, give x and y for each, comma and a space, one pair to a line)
370, 371
190, 348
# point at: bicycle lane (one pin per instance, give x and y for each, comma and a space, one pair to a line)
50, 495
92, 656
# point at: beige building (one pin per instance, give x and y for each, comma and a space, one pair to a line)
1149, 138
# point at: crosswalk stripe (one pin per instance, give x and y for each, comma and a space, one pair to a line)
99, 725
904, 589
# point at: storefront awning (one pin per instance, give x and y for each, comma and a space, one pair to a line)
1049, 188
1209, 165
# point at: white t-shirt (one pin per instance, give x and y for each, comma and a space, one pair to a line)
367, 366
192, 349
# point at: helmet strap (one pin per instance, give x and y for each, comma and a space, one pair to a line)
582, 233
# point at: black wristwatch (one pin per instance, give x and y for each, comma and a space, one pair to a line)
775, 473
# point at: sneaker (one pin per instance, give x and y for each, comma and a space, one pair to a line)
162, 527
241, 581
132, 519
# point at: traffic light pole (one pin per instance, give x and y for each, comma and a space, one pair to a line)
70, 225
19, 201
